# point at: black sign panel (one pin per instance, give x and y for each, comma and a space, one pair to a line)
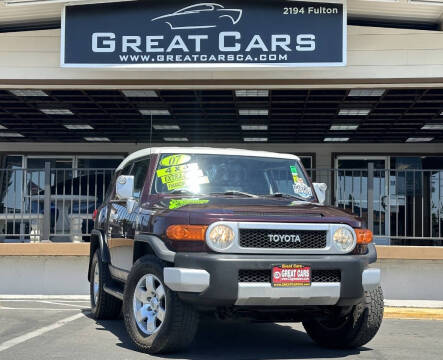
226, 33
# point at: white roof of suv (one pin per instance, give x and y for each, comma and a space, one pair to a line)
202, 150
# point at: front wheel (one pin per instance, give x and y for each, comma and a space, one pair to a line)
352, 331
155, 318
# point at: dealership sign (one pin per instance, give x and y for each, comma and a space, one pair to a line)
227, 33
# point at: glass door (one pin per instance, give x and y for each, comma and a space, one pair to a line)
351, 191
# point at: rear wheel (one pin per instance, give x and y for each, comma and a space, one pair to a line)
353, 330
155, 318
103, 305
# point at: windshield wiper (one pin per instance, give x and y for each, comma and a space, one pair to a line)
283, 195
234, 192
182, 192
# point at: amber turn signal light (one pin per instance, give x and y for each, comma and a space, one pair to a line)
186, 232
364, 236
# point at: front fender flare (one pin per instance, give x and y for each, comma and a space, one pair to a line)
158, 246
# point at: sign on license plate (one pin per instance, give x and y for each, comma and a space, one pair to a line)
288, 275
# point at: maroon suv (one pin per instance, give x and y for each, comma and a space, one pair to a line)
235, 233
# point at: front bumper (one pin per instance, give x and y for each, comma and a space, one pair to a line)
213, 279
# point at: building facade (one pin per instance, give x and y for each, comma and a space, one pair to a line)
371, 128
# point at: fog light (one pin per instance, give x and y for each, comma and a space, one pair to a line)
221, 237
344, 240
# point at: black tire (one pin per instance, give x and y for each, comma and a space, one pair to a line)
106, 306
181, 320
352, 331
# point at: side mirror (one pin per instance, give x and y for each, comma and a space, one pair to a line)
124, 187
320, 191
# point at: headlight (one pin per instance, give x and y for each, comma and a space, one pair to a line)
221, 236
343, 239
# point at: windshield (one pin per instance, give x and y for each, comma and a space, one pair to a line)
206, 174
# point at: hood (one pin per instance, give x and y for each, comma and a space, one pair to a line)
207, 209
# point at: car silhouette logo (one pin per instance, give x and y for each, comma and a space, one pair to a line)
200, 16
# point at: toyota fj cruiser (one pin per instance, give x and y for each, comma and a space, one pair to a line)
235, 233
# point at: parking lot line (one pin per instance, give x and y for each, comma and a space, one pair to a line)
32, 334
57, 300
57, 303
45, 297
37, 309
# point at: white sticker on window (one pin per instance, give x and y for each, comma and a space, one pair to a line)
302, 190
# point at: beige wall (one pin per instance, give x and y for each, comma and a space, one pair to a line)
399, 57
400, 279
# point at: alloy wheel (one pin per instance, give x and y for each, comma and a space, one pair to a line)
149, 304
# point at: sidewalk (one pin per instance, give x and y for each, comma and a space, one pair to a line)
413, 309
394, 309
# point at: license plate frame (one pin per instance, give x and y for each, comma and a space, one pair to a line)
298, 275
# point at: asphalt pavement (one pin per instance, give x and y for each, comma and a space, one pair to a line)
62, 329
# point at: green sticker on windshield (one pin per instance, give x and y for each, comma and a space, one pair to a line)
294, 173
174, 160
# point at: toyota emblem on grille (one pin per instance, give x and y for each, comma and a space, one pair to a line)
284, 238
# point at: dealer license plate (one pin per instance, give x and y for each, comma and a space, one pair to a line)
289, 275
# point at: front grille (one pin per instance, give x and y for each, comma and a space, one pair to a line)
258, 238
326, 276
253, 276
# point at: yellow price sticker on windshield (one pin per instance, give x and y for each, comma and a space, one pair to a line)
184, 183
181, 176
176, 185
174, 160
172, 178
177, 169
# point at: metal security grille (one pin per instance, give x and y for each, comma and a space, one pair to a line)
401, 207
264, 276
259, 238
51, 203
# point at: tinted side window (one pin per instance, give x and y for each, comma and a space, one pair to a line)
139, 172
126, 170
